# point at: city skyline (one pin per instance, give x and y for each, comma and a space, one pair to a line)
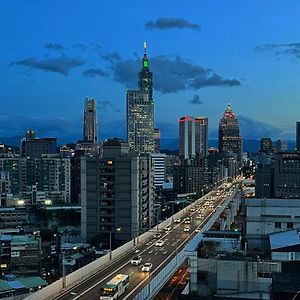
202, 57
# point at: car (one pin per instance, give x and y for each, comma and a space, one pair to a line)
159, 243
157, 235
168, 228
198, 229
192, 209
147, 267
177, 220
187, 220
199, 217
136, 260
186, 228
137, 251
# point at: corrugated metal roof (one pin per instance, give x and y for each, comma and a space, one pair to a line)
4, 286
16, 284
284, 239
31, 282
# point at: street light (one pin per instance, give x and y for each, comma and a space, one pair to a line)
110, 250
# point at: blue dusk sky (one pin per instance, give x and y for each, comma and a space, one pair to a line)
203, 55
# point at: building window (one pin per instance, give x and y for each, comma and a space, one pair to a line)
289, 225
277, 224
202, 275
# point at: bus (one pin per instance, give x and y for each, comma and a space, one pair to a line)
115, 287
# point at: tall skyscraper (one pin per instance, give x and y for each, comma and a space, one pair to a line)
193, 137
229, 134
140, 112
298, 136
266, 145
90, 130
281, 145
156, 140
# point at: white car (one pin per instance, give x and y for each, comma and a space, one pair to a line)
147, 267
186, 228
157, 235
177, 220
198, 229
168, 228
159, 243
136, 260
199, 217
187, 220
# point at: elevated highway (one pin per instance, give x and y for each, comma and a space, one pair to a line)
86, 282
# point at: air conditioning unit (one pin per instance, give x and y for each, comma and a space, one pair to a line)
291, 255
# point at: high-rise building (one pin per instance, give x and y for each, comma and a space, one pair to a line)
229, 134
35, 147
156, 140
158, 161
266, 145
140, 112
90, 129
264, 176
116, 192
193, 137
287, 175
298, 136
281, 145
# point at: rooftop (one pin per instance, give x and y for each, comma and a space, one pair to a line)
284, 239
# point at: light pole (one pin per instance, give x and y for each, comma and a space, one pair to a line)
64, 279
110, 250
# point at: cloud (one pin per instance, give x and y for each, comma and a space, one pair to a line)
81, 47
171, 75
170, 23
61, 65
54, 46
292, 49
93, 72
104, 105
253, 129
111, 57
196, 100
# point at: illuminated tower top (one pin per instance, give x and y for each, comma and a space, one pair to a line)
145, 76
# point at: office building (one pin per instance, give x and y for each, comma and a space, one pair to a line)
264, 176
189, 176
266, 145
35, 147
89, 145
229, 134
158, 162
298, 136
193, 137
90, 129
156, 140
140, 112
281, 145
287, 175
117, 192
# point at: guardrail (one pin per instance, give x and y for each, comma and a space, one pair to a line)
80, 275
158, 281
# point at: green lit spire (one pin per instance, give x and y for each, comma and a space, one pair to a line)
145, 58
